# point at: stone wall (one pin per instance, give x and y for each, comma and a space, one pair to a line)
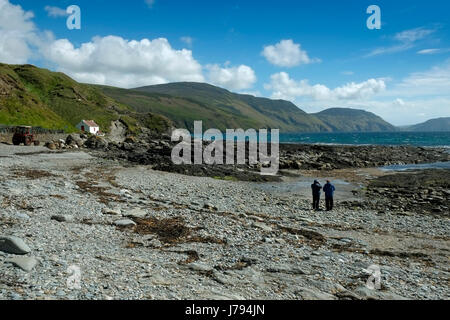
44, 137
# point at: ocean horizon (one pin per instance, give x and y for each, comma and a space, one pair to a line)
422, 139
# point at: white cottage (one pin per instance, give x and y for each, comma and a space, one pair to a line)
88, 126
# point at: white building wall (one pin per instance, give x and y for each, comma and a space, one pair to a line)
92, 130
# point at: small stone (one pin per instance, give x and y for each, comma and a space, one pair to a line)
125, 223
158, 279
63, 218
249, 260
200, 267
60, 293
135, 213
124, 192
209, 206
285, 268
155, 243
14, 245
256, 218
25, 263
113, 212
22, 216
215, 294
262, 226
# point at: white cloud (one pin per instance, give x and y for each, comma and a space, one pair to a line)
399, 102
110, 60
415, 98
115, 61
362, 90
283, 87
428, 51
187, 40
413, 35
56, 12
390, 50
286, 53
435, 81
405, 40
17, 33
408, 112
252, 93
433, 51
232, 78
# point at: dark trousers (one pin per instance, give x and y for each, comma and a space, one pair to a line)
316, 201
329, 203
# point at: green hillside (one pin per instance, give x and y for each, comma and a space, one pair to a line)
183, 103
39, 97
433, 125
353, 120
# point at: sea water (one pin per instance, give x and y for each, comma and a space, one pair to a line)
425, 139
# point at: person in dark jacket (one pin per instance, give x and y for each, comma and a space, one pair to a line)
316, 187
329, 189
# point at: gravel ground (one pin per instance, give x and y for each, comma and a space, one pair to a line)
135, 233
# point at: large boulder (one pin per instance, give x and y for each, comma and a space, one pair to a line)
51, 145
75, 140
25, 263
96, 142
13, 245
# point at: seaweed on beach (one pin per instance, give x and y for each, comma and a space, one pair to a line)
172, 231
33, 174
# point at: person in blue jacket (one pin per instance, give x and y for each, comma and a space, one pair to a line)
329, 189
316, 188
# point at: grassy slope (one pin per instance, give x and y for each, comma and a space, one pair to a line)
20, 106
435, 125
352, 120
186, 102
39, 97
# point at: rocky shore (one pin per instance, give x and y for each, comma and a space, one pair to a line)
155, 151
136, 233
328, 157
425, 191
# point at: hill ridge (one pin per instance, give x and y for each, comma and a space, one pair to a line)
40, 97
441, 124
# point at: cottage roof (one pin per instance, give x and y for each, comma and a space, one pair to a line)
91, 123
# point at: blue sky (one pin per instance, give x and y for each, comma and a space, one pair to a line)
317, 54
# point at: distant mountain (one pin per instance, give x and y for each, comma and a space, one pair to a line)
52, 100
433, 125
185, 102
353, 120
39, 97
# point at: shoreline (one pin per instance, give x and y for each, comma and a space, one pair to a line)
366, 145
137, 233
